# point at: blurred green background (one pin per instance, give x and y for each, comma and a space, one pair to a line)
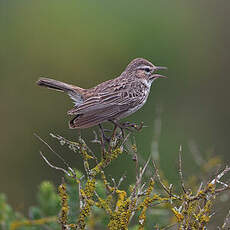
87, 42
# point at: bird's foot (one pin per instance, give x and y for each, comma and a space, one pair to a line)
133, 126
127, 126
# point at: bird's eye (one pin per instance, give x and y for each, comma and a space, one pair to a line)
147, 69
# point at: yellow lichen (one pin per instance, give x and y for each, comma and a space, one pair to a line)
105, 161
105, 204
64, 204
89, 188
121, 197
17, 224
87, 195
106, 183
142, 218
120, 217
178, 215
150, 188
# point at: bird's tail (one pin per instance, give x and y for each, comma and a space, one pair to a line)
53, 84
75, 92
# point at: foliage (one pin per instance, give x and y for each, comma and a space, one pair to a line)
90, 200
45, 213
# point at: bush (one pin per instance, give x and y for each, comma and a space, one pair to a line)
90, 200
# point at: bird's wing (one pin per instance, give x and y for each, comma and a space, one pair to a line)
101, 115
103, 101
122, 93
97, 110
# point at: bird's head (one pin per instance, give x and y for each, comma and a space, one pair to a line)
143, 69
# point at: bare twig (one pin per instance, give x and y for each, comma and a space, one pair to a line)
167, 190
121, 180
180, 170
220, 175
139, 178
199, 189
49, 147
57, 168
95, 140
80, 196
226, 224
222, 189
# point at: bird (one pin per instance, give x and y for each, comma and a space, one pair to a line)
111, 100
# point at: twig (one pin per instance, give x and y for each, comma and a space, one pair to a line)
103, 137
139, 177
64, 205
162, 184
218, 177
222, 189
80, 196
95, 140
226, 224
180, 170
49, 147
17, 224
121, 180
57, 168
74, 146
199, 189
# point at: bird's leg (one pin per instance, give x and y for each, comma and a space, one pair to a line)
117, 124
112, 138
139, 128
104, 137
114, 132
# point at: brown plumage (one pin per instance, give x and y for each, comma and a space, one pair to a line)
111, 100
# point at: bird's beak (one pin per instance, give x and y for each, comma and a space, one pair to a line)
155, 76
160, 68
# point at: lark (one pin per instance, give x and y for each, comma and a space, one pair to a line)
111, 100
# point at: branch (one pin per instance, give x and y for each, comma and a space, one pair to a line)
180, 170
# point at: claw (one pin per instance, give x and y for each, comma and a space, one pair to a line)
140, 126
126, 125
